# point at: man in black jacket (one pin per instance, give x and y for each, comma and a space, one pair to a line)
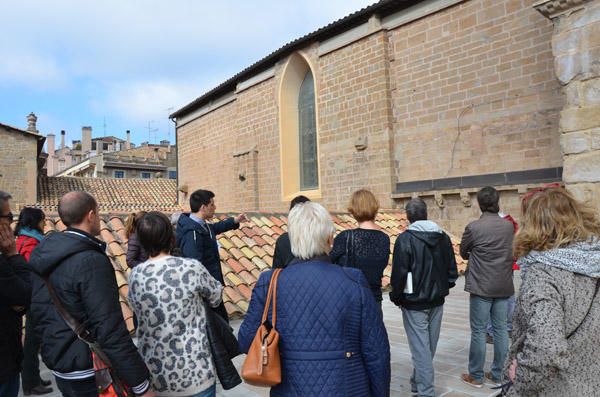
283, 248
75, 264
423, 271
15, 294
197, 237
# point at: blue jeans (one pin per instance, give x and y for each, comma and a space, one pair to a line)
480, 310
509, 316
210, 392
423, 331
11, 387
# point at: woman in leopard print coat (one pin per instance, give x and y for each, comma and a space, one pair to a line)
167, 295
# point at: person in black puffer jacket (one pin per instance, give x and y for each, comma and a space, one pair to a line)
15, 293
83, 278
424, 254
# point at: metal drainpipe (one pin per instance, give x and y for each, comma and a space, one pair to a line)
176, 159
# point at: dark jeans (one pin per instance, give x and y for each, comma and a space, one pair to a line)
30, 376
77, 388
10, 388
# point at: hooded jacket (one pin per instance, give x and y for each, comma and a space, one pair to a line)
199, 241
425, 251
84, 280
556, 323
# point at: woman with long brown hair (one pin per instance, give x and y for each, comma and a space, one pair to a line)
135, 252
555, 347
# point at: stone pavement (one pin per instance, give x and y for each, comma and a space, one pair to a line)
450, 360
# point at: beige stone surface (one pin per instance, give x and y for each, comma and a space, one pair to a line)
18, 166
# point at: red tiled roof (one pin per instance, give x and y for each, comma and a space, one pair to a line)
243, 255
113, 195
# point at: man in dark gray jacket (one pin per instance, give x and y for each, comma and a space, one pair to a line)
487, 244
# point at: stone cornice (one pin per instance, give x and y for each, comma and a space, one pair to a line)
554, 8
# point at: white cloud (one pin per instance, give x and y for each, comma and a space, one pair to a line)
31, 70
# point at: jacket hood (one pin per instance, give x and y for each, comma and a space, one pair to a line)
427, 231
31, 233
185, 224
581, 258
57, 246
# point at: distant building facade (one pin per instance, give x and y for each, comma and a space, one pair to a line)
20, 160
148, 161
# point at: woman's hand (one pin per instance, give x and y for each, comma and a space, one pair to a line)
512, 370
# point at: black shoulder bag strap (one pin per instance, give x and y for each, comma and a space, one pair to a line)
104, 377
588, 310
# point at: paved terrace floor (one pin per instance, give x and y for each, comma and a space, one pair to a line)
450, 360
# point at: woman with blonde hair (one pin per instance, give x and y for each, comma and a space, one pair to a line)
367, 247
555, 347
135, 252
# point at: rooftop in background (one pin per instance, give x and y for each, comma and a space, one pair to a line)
113, 195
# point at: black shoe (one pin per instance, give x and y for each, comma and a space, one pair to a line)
38, 390
45, 382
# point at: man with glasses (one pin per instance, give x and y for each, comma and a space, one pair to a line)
15, 295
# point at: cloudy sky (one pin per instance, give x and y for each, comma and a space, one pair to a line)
119, 65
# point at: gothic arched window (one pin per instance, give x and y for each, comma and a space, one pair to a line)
307, 129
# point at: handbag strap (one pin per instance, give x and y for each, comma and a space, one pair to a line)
588, 311
271, 294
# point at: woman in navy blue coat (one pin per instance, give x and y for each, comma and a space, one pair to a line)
332, 338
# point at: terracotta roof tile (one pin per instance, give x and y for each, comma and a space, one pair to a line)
237, 242
261, 264
267, 240
248, 253
257, 221
247, 277
235, 265
258, 231
266, 221
259, 251
248, 231
276, 221
245, 291
247, 264
249, 242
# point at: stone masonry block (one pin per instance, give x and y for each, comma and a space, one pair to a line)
590, 62
576, 119
591, 92
591, 35
588, 193
567, 67
566, 42
573, 96
581, 168
595, 139
575, 142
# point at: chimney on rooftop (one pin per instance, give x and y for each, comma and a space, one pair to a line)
86, 140
155, 153
62, 139
99, 146
31, 123
128, 143
50, 163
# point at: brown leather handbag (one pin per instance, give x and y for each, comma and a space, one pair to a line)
263, 363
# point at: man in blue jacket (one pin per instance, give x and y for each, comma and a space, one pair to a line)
197, 237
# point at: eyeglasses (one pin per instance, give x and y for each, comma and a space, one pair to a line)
7, 216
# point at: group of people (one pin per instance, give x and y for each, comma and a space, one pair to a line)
333, 341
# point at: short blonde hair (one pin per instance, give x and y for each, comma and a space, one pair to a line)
310, 226
363, 205
553, 218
